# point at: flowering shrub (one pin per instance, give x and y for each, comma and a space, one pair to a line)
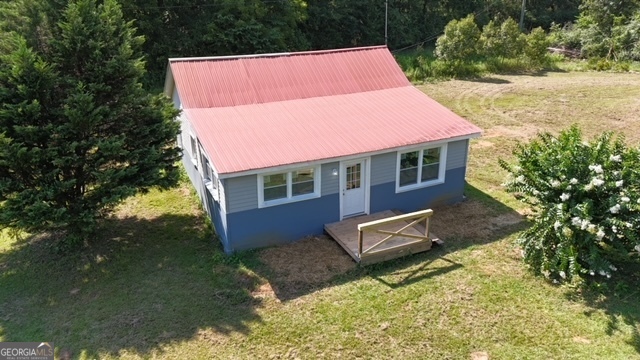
585, 199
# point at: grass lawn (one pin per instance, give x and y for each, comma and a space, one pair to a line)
153, 285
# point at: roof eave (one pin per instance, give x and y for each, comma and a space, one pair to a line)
226, 175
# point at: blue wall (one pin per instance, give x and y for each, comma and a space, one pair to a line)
211, 206
383, 196
282, 223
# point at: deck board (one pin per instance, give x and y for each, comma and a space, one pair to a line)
346, 234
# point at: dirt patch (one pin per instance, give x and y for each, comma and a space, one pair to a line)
311, 261
470, 219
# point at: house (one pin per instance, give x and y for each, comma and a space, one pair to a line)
277, 145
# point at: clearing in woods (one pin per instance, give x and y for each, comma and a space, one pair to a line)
153, 285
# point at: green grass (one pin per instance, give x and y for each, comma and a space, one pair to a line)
153, 284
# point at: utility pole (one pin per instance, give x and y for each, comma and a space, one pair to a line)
524, 4
386, 19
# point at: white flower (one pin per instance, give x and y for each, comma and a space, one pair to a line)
637, 248
600, 234
629, 225
596, 168
557, 225
615, 158
585, 224
556, 184
625, 199
565, 197
597, 182
559, 206
520, 179
613, 268
615, 209
638, 201
591, 273
576, 221
601, 272
616, 173
567, 232
619, 183
563, 275
591, 228
573, 181
614, 229
608, 276
588, 187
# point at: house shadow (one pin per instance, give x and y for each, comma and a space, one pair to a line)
318, 262
141, 284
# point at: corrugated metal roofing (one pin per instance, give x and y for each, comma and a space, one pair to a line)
259, 136
258, 112
220, 82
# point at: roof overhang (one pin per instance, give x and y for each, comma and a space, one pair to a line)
283, 168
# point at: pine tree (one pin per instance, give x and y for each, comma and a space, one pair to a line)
78, 133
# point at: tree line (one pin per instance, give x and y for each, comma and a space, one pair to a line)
183, 28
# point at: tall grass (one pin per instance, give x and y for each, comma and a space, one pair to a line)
422, 65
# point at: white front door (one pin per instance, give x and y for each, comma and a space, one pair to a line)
354, 187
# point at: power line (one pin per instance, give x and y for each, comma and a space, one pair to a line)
434, 36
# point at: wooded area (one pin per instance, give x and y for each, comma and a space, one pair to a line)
181, 28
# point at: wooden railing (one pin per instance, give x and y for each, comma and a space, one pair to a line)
374, 226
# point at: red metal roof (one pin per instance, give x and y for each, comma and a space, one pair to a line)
258, 112
220, 82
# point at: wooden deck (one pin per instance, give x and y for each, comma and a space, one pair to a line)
346, 234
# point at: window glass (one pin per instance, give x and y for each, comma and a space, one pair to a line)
409, 168
353, 176
430, 164
302, 182
275, 186
193, 148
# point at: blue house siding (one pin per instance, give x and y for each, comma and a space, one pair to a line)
212, 207
242, 193
279, 224
384, 197
245, 226
330, 183
457, 154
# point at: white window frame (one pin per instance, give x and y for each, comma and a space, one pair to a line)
421, 184
209, 176
193, 149
290, 198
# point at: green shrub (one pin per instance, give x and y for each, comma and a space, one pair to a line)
459, 41
585, 199
535, 50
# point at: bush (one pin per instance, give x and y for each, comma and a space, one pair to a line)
586, 203
459, 41
536, 49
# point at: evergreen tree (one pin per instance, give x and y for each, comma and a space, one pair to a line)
78, 134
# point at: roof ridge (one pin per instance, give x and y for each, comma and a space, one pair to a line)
310, 52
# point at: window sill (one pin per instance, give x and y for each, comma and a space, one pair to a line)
277, 202
418, 186
208, 184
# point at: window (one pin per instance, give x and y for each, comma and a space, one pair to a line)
208, 175
280, 188
194, 151
419, 168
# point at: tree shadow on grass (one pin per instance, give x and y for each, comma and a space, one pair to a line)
141, 284
318, 262
618, 299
